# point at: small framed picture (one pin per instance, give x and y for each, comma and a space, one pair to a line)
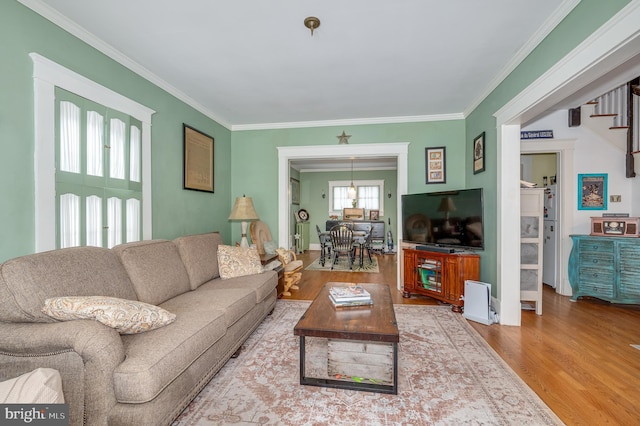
374, 214
592, 191
295, 191
478, 154
435, 162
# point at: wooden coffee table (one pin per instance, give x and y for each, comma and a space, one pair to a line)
363, 341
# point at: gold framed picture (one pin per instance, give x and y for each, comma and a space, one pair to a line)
435, 161
198, 160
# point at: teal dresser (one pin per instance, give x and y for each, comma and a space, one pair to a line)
605, 267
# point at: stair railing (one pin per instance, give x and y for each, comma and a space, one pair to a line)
624, 107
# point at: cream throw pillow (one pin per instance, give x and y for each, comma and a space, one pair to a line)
40, 386
237, 261
126, 316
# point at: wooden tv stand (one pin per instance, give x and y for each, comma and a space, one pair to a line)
439, 275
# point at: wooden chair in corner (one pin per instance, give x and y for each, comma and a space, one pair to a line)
292, 269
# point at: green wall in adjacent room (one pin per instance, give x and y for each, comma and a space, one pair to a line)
175, 211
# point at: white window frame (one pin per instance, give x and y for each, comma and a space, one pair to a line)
356, 183
47, 75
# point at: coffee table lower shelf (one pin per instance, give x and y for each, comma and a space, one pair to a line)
363, 385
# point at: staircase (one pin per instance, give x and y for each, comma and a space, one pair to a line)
615, 116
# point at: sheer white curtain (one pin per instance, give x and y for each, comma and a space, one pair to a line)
134, 154
369, 197
69, 137
133, 220
117, 145
69, 220
114, 222
94, 221
341, 198
95, 131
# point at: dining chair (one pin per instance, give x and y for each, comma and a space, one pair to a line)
342, 243
325, 245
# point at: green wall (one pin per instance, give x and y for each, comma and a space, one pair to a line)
175, 211
254, 159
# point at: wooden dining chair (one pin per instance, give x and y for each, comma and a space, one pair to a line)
342, 244
325, 245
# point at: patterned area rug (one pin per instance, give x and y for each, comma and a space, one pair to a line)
343, 265
447, 375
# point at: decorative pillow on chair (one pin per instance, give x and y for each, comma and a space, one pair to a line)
269, 247
237, 261
125, 316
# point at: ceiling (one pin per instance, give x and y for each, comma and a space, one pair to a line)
253, 64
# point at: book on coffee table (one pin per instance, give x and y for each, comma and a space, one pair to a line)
361, 302
350, 293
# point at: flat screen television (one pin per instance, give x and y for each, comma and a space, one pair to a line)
452, 219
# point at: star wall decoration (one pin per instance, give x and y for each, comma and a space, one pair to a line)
343, 138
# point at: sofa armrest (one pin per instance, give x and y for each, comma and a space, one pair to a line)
85, 353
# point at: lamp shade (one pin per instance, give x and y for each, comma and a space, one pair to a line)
243, 209
446, 205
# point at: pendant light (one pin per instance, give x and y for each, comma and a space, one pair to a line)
352, 189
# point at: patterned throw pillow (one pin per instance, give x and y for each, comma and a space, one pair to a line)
237, 261
126, 316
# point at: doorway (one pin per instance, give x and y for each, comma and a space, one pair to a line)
398, 150
541, 169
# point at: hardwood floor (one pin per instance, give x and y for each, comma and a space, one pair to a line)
577, 356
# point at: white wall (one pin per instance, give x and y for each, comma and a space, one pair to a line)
593, 154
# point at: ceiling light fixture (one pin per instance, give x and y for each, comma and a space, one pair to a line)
352, 189
312, 23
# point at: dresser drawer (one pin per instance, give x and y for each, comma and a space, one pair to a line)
596, 260
594, 276
593, 245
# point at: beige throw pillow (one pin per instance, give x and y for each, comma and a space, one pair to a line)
126, 316
237, 261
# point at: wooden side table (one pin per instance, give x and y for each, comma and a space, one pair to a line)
268, 258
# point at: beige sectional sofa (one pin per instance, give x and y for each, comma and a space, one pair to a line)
126, 379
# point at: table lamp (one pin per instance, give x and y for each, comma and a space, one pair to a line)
446, 206
243, 210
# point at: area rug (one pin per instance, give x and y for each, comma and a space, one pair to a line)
343, 265
447, 375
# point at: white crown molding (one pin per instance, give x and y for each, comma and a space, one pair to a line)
348, 122
76, 30
558, 15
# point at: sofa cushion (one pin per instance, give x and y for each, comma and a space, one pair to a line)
155, 269
40, 386
155, 359
125, 316
238, 261
26, 282
199, 254
263, 284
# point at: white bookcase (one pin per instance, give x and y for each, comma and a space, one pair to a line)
531, 243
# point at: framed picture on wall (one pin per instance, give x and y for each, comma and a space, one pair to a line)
374, 214
295, 191
592, 191
478, 154
198, 160
435, 161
